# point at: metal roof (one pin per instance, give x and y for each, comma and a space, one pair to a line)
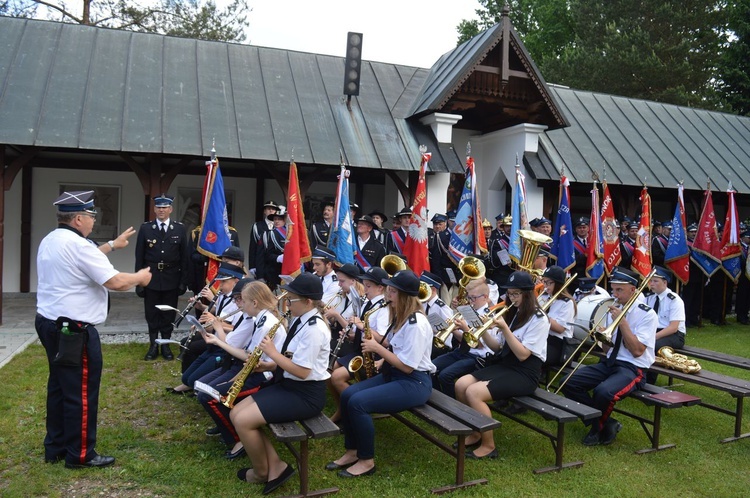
80, 87
636, 140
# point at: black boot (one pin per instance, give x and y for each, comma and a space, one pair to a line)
153, 351
166, 352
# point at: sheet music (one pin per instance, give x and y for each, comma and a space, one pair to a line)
206, 389
437, 322
470, 315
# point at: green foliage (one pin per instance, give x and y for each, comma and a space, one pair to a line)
665, 50
734, 65
161, 449
186, 18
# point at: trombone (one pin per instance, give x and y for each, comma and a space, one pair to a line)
604, 335
546, 306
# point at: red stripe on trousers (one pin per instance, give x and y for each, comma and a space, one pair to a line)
618, 396
227, 423
84, 405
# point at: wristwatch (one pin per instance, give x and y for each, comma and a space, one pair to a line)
111, 245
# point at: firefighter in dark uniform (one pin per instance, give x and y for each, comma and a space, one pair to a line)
439, 222
74, 279
380, 232
446, 268
396, 240
659, 244
742, 305
260, 227
580, 244
692, 292
368, 251
163, 246
498, 258
320, 230
273, 249
628, 245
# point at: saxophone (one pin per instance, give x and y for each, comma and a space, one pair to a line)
250, 365
367, 360
667, 358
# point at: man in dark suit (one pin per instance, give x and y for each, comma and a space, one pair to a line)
274, 242
580, 244
320, 230
368, 251
162, 246
260, 227
395, 241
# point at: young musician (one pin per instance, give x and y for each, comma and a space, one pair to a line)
300, 390
338, 316
261, 310
623, 370
322, 263
516, 370
372, 281
404, 381
670, 310
435, 306
560, 313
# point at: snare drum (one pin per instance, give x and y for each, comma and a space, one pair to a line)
591, 310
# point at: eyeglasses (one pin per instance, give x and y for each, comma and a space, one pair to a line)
237, 299
290, 301
474, 298
92, 216
548, 282
514, 294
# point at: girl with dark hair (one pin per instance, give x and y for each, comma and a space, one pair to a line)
561, 314
403, 381
516, 370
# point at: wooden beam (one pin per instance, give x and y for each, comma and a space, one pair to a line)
403, 189
26, 217
172, 172
310, 178
9, 173
280, 179
139, 171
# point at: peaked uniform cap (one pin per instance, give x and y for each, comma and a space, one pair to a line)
75, 201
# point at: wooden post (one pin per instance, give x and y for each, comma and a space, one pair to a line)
26, 197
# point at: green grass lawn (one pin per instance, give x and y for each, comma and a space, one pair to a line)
161, 450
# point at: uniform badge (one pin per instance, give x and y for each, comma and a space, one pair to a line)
261, 322
151, 243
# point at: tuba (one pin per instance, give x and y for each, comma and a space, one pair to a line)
471, 268
392, 264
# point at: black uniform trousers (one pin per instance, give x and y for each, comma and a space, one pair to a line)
159, 322
72, 397
742, 305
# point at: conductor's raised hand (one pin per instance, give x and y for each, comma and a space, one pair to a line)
122, 240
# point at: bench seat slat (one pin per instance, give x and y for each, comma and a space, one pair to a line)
458, 410
738, 387
584, 412
288, 431
442, 421
715, 356
544, 409
320, 426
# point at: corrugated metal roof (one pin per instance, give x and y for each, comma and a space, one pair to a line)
79, 87
636, 140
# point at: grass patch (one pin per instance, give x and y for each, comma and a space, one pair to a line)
161, 450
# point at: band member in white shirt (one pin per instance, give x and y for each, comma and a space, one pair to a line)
670, 309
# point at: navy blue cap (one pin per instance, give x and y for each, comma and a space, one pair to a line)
306, 285
543, 253
693, 227
241, 283
163, 200
555, 273
405, 280
366, 219
437, 218
580, 222
624, 276
228, 270
379, 213
534, 223
233, 252
350, 270
431, 279
73, 202
663, 273
271, 204
667, 224
451, 214
586, 284
500, 216
544, 221
633, 224
519, 280
375, 274
323, 253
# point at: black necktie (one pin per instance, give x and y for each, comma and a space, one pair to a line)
278, 374
367, 308
616, 349
163, 228
427, 310
656, 305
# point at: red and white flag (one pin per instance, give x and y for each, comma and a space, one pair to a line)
415, 248
610, 232
297, 248
642, 254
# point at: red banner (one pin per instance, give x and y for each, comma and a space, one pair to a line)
707, 239
297, 248
415, 248
610, 232
642, 254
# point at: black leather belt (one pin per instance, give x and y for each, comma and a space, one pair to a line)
161, 265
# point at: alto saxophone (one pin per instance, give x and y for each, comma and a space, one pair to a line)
250, 365
367, 359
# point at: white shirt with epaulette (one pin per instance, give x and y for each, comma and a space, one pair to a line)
262, 324
330, 287
310, 347
435, 306
533, 334
643, 321
412, 343
671, 309
563, 311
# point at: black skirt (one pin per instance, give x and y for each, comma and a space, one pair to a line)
291, 400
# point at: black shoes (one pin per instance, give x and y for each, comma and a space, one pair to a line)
231, 455
54, 459
272, 485
153, 352
609, 432
336, 466
97, 461
593, 437
347, 474
212, 431
472, 456
166, 352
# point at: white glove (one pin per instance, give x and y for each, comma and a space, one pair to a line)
280, 259
253, 273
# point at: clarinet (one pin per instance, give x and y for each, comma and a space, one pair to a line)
335, 352
193, 330
191, 305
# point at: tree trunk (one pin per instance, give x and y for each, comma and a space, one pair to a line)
86, 12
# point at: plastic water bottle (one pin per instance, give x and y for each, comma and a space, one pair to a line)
65, 330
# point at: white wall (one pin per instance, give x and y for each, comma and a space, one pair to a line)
12, 238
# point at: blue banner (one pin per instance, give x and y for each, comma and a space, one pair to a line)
562, 238
519, 217
341, 241
214, 235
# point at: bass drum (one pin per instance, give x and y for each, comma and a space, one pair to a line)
591, 311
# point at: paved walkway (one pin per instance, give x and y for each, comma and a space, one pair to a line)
17, 330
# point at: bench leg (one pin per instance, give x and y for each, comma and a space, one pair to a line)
654, 436
558, 444
737, 423
303, 467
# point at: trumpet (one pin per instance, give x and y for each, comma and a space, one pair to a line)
604, 336
472, 338
442, 336
192, 304
338, 295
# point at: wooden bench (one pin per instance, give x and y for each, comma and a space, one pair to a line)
715, 356
739, 389
453, 418
659, 398
558, 409
300, 432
